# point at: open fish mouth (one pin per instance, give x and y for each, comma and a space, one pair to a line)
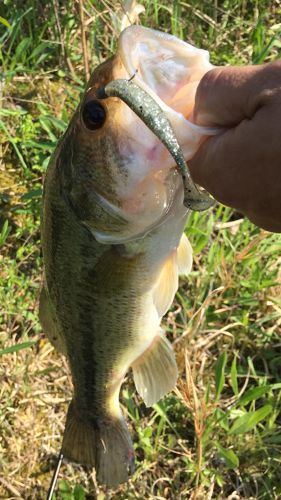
154, 117
164, 71
170, 70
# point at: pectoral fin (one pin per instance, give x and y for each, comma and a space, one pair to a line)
155, 372
184, 254
166, 285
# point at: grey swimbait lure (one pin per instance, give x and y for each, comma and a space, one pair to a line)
149, 111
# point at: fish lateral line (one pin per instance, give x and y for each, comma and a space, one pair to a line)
149, 111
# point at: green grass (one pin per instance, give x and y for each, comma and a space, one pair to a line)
219, 434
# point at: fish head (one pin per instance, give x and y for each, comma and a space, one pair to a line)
121, 180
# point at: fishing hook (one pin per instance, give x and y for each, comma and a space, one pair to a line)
133, 75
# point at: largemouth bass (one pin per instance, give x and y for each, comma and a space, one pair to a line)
113, 243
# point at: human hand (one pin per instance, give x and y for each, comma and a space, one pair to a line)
241, 167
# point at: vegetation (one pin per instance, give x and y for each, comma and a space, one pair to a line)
218, 435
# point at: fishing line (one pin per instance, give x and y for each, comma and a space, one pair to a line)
55, 477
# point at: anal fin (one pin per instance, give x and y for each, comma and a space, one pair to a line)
155, 372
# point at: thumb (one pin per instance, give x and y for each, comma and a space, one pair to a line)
232, 166
227, 95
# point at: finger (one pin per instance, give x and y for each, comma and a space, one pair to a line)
225, 96
233, 167
267, 223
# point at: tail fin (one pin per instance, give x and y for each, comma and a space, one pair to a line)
104, 444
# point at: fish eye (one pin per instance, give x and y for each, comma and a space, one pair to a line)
93, 114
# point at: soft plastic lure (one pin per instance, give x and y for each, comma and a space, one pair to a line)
149, 111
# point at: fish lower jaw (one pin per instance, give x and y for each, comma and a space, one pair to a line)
137, 234
108, 238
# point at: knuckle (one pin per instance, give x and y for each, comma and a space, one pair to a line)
204, 85
207, 96
208, 80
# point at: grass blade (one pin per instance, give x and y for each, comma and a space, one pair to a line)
17, 347
219, 374
248, 421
